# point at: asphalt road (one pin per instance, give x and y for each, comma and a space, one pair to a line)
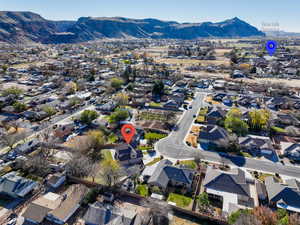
174, 147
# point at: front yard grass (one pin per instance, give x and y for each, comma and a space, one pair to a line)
142, 190
154, 136
189, 163
180, 200
154, 104
106, 154
153, 161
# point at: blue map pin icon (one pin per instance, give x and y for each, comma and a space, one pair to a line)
271, 47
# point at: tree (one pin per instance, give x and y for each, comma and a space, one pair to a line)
118, 115
97, 139
121, 99
247, 219
236, 125
265, 215
71, 87
47, 143
110, 172
158, 88
294, 219
19, 106
259, 119
87, 116
80, 166
116, 83
203, 201
12, 91
156, 211
37, 165
10, 139
50, 110
234, 217
4, 68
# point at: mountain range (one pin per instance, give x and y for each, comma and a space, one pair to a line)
23, 27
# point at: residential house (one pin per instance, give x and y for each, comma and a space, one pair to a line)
286, 120
63, 130
213, 136
15, 186
171, 104
258, 146
56, 180
55, 208
215, 115
107, 107
234, 189
291, 150
107, 214
27, 147
285, 196
166, 174
127, 155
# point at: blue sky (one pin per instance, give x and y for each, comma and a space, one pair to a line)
284, 12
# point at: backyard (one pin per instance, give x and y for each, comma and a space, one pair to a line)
180, 200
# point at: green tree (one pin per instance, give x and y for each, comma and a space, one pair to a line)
19, 106
87, 116
259, 119
12, 91
234, 123
116, 83
4, 68
122, 99
203, 201
49, 110
97, 138
118, 115
110, 172
158, 88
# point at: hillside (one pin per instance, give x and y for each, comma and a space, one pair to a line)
19, 27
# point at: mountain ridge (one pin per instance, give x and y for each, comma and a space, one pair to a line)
19, 27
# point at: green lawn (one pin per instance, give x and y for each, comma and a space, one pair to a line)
152, 116
112, 138
278, 129
106, 154
153, 162
143, 148
142, 190
154, 136
180, 200
245, 154
154, 104
189, 163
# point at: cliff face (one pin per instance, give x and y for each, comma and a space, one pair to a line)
19, 27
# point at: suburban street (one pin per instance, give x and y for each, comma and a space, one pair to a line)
173, 147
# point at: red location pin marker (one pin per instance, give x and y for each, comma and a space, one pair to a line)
128, 131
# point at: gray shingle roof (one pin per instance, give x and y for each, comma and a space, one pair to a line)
282, 193
12, 184
165, 172
231, 182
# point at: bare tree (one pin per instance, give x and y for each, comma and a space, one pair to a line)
247, 219
110, 172
10, 140
79, 166
157, 212
48, 142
